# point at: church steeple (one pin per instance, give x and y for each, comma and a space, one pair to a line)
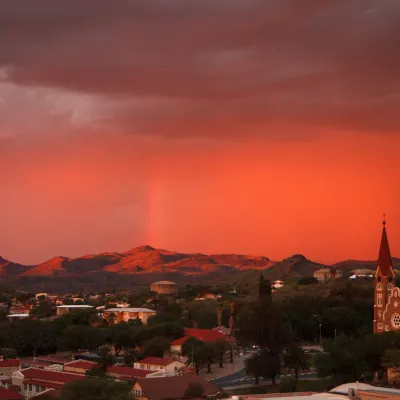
385, 259
384, 281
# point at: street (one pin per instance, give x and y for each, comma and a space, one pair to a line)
240, 378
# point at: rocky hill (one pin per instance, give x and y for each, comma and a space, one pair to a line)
145, 264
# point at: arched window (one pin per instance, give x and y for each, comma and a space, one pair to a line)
379, 286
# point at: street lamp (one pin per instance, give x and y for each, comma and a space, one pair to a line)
320, 333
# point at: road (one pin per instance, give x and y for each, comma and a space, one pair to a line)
240, 378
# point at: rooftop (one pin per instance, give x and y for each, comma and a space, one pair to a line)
129, 309
129, 372
173, 387
156, 361
74, 306
8, 394
10, 363
50, 376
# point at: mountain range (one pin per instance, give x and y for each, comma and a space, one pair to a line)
145, 264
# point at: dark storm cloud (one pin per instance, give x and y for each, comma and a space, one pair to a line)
214, 66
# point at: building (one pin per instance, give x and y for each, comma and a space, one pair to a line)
127, 373
167, 365
171, 388
13, 317
164, 287
9, 394
205, 335
128, 313
65, 309
7, 367
386, 295
33, 381
325, 274
80, 366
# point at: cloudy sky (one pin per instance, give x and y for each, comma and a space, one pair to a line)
267, 127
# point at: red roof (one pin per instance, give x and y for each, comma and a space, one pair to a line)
385, 259
51, 376
205, 335
48, 385
129, 372
156, 361
8, 394
10, 363
82, 364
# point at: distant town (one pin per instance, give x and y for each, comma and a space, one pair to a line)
330, 331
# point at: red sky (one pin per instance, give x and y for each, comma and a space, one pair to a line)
258, 127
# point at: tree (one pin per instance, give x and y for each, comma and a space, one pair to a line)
97, 389
8, 353
264, 325
296, 359
264, 288
221, 347
31, 335
130, 356
43, 310
78, 337
194, 390
273, 365
288, 385
154, 347
255, 367
264, 365
343, 359
193, 349
122, 335
105, 358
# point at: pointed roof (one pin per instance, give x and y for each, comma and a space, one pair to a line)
385, 259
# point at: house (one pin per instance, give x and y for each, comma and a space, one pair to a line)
80, 366
127, 373
65, 309
33, 381
19, 310
13, 317
167, 365
7, 367
277, 285
205, 335
325, 274
170, 388
9, 394
126, 314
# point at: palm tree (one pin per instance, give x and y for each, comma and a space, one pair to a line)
296, 359
105, 358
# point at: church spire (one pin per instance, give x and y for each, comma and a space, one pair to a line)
385, 259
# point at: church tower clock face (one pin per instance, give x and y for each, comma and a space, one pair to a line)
395, 321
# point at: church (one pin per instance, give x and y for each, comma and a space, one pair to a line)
386, 294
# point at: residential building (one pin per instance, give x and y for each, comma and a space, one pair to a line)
9, 394
171, 388
325, 274
65, 309
13, 317
168, 365
127, 373
7, 367
205, 335
126, 314
80, 366
33, 381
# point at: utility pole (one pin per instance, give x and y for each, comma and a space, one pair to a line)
320, 333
